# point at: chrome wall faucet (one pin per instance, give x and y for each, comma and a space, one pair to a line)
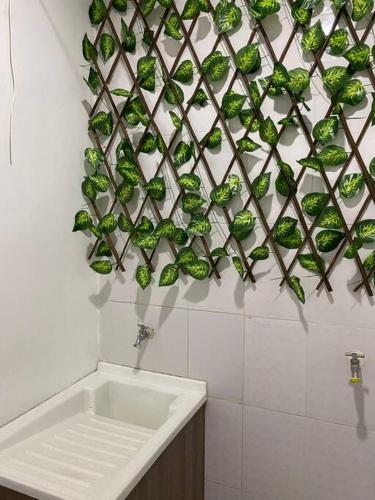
355, 366
144, 332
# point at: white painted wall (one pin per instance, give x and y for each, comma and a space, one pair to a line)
283, 423
48, 325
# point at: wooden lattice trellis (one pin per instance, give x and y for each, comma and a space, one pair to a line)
122, 65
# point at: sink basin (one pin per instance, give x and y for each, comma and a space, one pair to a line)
96, 439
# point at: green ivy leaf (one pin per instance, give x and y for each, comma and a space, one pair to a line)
184, 72
285, 183
288, 121
268, 132
247, 145
330, 218
312, 162
198, 270
247, 59
248, 118
128, 38
284, 227
107, 224
301, 15
218, 67
365, 230
180, 236
185, 256
361, 8
97, 11
237, 262
90, 53
94, 157
120, 5
358, 56
176, 120
190, 182
124, 192
351, 184
169, 275
294, 284
212, 139
125, 224
332, 156
156, 188
313, 203
143, 276
101, 266
165, 229
160, 144
145, 241
88, 189
147, 7
311, 263
254, 94
103, 122
191, 202
100, 181
227, 16
352, 248
325, 130
280, 75
146, 66
260, 253
234, 183
369, 262
200, 98
148, 37
82, 221
172, 27
232, 104
269, 88
242, 225
372, 167
147, 143
328, 239
145, 226
107, 46
313, 38
335, 77
104, 250
173, 94
95, 231
352, 93
259, 9
135, 113
182, 153
191, 9
261, 185
122, 93
299, 80
199, 225
93, 80
221, 195
291, 242
219, 252
338, 42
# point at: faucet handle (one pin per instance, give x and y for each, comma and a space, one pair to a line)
354, 354
147, 331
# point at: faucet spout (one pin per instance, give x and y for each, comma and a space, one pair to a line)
144, 332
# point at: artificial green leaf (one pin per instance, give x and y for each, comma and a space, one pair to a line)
100, 181
103, 122
172, 27
90, 53
268, 132
128, 38
199, 225
102, 266
301, 15
190, 182
259, 9
288, 121
212, 139
147, 143
200, 98
227, 16
107, 224
247, 145
148, 37
352, 93
294, 284
198, 270
332, 156
361, 8
237, 262
120, 5
173, 94
330, 218
291, 242
335, 77
232, 104
280, 75
134, 112
261, 185
169, 275
248, 119
156, 188
284, 227
328, 239
180, 236
146, 66
218, 68
88, 189
148, 83
124, 164
358, 56
311, 263
242, 225
165, 3
351, 184
270, 89
184, 72
165, 229
107, 46
124, 192
182, 153
160, 144
208, 60
125, 224
145, 226
312, 162
219, 252
104, 250
254, 94
186, 256
299, 80
365, 230
313, 38
372, 168
147, 7
313, 203
352, 248
94, 157
247, 59
325, 130
260, 253
143, 276
234, 183
221, 195
82, 221
204, 5
93, 80
338, 42
95, 231
369, 262
191, 202
145, 241
339, 4
191, 9
122, 93
131, 176
97, 11
285, 183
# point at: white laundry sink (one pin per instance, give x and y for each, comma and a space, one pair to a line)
96, 439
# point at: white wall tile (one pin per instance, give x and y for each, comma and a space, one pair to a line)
224, 443
166, 352
339, 464
216, 352
215, 491
273, 455
275, 363
329, 394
